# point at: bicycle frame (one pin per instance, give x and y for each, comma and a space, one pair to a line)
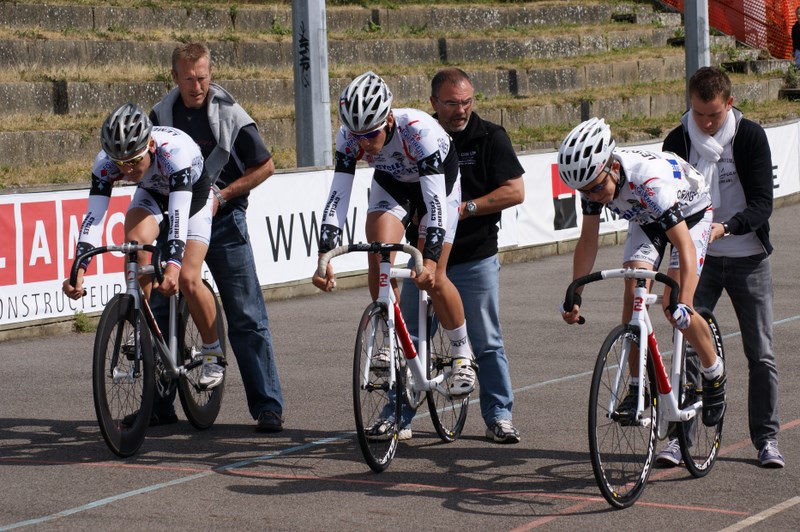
668, 385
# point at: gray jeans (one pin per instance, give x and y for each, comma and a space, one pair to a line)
748, 282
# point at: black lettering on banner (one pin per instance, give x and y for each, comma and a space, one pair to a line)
279, 238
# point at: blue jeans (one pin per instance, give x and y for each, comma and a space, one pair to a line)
748, 282
231, 262
478, 284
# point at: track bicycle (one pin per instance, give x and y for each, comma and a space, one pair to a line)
133, 359
622, 447
413, 373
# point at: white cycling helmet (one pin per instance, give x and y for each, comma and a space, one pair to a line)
585, 152
125, 132
365, 103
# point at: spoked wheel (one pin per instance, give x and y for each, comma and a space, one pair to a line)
374, 397
699, 443
122, 378
448, 414
621, 450
200, 406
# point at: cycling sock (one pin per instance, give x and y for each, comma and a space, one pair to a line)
714, 371
212, 350
459, 341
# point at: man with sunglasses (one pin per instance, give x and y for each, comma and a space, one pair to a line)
666, 201
416, 170
167, 167
237, 161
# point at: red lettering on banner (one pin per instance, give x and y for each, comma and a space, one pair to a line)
39, 241
8, 246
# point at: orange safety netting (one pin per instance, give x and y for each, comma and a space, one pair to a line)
757, 23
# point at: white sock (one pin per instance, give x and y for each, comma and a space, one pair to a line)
212, 349
714, 371
459, 342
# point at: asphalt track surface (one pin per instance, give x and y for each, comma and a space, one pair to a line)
57, 474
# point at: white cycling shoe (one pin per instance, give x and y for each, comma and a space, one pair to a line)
463, 379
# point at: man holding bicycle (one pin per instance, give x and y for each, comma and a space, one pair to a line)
167, 167
665, 200
416, 169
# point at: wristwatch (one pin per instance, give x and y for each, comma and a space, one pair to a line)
472, 208
726, 231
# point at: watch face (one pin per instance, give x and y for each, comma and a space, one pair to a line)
471, 207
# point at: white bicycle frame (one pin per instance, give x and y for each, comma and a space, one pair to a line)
417, 358
669, 386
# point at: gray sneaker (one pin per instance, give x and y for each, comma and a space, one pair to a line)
502, 431
211, 373
382, 431
670, 456
770, 456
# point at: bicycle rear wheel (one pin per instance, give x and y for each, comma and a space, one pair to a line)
122, 379
374, 398
448, 414
699, 443
621, 453
201, 406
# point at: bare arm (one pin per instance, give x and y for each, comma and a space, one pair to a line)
583, 259
252, 177
508, 194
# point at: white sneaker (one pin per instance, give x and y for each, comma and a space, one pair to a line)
382, 430
670, 456
212, 373
381, 359
463, 381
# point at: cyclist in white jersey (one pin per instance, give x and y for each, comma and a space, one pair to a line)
416, 171
665, 200
167, 167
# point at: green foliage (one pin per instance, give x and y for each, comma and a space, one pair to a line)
371, 27
82, 323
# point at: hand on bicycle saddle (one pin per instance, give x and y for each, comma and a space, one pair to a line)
326, 284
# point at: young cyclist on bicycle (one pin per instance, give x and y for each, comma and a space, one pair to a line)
665, 200
167, 166
416, 167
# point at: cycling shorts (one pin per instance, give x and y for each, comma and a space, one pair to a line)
200, 218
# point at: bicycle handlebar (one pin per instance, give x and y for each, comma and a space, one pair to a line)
623, 273
128, 247
371, 247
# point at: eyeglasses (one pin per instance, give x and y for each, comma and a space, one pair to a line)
133, 161
453, 104
369, 134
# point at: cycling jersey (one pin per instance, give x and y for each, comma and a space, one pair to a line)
658, 188
175, 181
417, 167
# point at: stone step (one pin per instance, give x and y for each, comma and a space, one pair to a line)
24, 148
70, 97
265, 18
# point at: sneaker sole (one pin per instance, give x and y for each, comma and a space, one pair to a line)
403, 435
667, 462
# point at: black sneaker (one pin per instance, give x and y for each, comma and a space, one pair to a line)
269, 421
714, 399
155, 419
626, 410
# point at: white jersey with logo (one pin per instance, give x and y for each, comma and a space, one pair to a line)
176, 166
415, 152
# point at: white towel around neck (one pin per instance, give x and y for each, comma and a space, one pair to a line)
710, 148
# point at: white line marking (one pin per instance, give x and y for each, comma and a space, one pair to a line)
762, 516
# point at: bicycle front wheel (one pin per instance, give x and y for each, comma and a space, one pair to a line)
377, 410
621, 451
201, 406
699, 443
122, 378
448, 414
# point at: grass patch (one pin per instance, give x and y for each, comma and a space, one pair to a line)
83, 323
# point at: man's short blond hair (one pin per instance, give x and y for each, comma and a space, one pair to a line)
191, 52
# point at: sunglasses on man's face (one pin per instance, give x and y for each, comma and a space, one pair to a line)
369, 134
133, 161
